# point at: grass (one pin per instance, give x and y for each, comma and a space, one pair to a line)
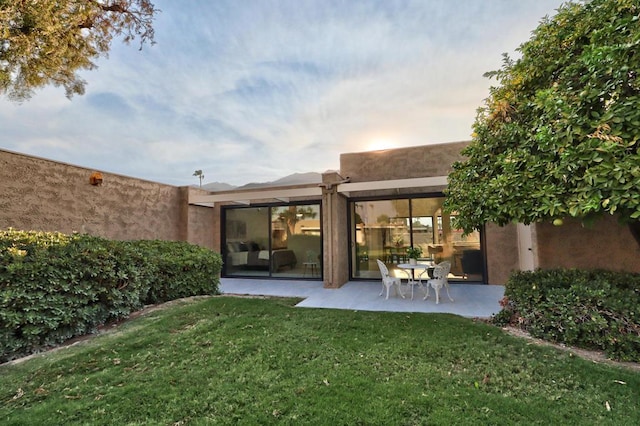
230, 360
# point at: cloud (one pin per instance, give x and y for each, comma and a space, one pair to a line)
258, 89
110, 104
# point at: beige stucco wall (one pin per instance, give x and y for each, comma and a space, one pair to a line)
401, 163
40, 194
605, 245
200, 224
501, 250
335, 242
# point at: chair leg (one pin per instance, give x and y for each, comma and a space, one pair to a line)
426, 296
396, 284
447, 287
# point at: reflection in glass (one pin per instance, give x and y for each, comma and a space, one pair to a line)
296, 241
384, 229
246, 249
381, 232
277, 241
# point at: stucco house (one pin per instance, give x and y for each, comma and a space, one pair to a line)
375, 206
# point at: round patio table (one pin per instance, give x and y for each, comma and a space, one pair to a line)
409, 268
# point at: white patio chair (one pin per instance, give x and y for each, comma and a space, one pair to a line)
388, 281
439, 280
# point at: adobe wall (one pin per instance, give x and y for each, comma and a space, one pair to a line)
401, 163
201, 225
40, 194
606, 245
335, 244
501, 251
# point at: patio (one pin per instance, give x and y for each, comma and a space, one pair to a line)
471, 300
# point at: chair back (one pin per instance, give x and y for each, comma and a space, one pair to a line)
441, 270
311, 256
446, 265
383, 268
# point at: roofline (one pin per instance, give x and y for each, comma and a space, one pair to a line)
285, 194
346, 188
246, 196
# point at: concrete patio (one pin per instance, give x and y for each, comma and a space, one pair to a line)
470, 300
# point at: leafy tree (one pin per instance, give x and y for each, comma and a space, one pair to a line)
558, 135
49, 41
199, 175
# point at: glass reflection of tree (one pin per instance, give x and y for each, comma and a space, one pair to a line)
293, 214
384, 219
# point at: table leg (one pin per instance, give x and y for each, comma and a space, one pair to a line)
409, 280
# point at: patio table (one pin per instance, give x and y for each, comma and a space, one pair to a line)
409, 268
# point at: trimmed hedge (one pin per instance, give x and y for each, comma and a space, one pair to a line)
591, 309
54, 287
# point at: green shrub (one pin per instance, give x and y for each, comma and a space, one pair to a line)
54, 286
27, 240
180, 270
590, 309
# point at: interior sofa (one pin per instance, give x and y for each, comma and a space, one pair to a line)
250, 255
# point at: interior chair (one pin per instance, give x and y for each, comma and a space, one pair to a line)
439, 280
388, 281
472, 263
311, 263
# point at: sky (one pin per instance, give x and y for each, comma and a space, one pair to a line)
254, 90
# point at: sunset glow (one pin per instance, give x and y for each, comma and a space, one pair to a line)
380, 144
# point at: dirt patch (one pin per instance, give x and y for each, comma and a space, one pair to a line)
108, 328
594, 356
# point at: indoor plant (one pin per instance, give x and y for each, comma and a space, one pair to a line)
414, 253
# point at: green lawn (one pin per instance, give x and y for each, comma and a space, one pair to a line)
228, 360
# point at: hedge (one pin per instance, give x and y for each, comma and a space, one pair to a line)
590, 309
54, 287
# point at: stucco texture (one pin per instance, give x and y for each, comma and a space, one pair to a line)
401, 163
501, 251
606, 245
44, 195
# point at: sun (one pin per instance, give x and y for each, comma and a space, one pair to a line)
380, 144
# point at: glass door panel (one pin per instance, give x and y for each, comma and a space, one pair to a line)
246, 247
467, 260
426, 212
422, 234
445, 242
296, 241
381, 231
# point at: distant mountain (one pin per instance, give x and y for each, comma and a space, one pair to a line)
218, 186
294, 179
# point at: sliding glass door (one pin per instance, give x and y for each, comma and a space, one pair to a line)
384, 229
247, 241
296, 241
380, 231
281, 241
